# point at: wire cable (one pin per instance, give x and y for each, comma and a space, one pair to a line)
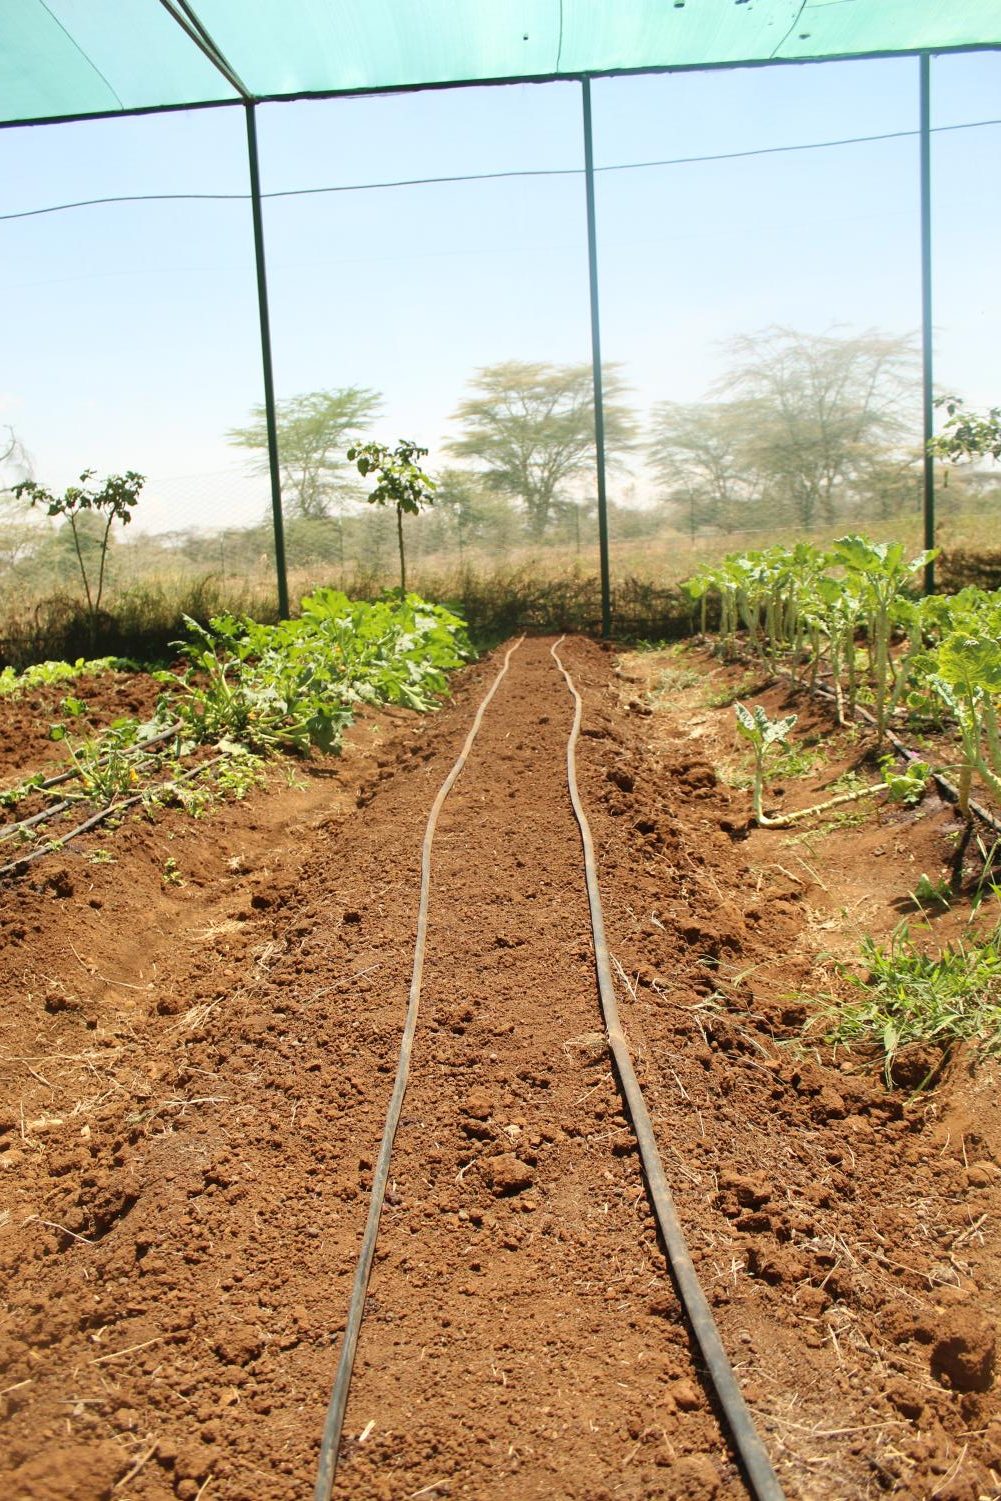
331, 1440
420, 182
761, 1478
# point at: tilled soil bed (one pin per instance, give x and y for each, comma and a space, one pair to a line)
195, 1073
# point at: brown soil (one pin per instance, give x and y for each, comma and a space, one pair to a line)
194, 1080
26, 719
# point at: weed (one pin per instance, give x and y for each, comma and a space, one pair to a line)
674, 679
933, 893
238, 774
908, 997
171, 873
749, 685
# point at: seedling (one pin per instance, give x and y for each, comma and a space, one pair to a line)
765, 734
935, 893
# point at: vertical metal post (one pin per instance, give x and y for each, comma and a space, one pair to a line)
927, 393
269, 383
599, 405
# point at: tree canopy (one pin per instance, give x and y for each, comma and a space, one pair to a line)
531, 427
313, 431
804, 428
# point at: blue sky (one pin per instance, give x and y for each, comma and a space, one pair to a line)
131, 329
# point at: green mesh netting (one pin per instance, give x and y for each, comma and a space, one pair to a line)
79, 57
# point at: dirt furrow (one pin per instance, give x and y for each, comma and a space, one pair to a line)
522, 1337
194, 1075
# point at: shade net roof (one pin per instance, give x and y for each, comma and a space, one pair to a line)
70, 58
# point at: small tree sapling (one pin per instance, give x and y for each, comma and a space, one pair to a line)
114, 501
399, 482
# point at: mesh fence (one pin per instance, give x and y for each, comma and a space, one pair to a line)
758, 253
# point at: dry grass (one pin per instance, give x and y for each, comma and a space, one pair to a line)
539, 587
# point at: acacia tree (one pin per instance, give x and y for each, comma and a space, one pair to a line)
531, 427
312, 431
13, 454
822, 409
699, 456
474, 513
18, 538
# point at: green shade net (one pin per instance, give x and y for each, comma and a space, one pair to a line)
79, 57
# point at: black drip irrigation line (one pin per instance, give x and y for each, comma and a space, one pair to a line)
15, 867
761, 1478
331, 1440
11, 831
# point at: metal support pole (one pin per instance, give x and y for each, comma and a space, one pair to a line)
927, 393
599, 405
269, 383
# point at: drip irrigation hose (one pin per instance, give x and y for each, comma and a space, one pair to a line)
15, 867
758, 1470
10, 831
331, 1440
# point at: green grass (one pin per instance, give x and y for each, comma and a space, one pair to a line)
909, 997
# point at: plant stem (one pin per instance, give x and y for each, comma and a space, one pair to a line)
403, 560
785, 819
759, 777
104, 559
83, 575
882, 661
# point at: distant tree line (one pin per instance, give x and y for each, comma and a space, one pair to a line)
803, 431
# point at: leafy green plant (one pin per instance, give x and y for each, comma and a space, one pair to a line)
967, 435
298, 683
968, 680
42, 674
400, 482
114, 501
880, 572
766, 735
251, 690
11, 796
910, 997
